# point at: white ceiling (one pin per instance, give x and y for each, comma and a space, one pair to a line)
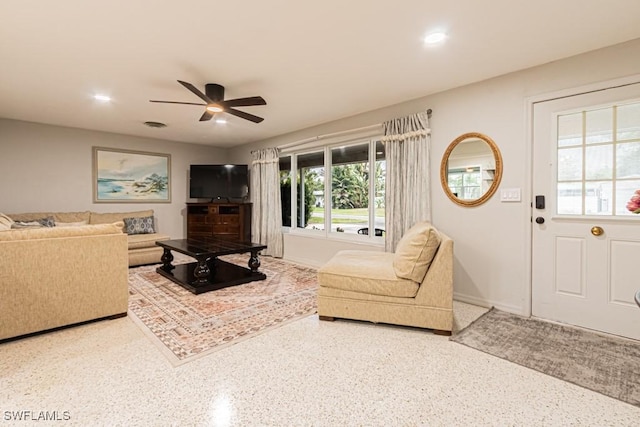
313, 62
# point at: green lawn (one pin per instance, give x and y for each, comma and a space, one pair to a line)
358, 212
336, 214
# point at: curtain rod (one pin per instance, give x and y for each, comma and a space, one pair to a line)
330, 135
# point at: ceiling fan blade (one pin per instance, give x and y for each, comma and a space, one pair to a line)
208, 115
195, 90
176, 102
245, 102
244, 115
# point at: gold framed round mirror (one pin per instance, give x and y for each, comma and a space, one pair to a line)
471, 169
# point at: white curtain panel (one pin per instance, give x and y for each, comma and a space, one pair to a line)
408, 196
266, 221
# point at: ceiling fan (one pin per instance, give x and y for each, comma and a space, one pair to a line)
215, 102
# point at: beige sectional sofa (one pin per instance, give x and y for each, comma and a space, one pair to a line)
142, 247
57, 276
411, 287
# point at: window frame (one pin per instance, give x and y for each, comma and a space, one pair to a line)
327, 233
583, 145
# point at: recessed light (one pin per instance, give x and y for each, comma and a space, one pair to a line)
102, 98
435, 38
221, 121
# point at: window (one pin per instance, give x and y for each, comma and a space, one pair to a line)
465, 183
337, 189
598, 158
310, 190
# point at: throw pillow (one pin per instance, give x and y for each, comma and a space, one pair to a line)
415, 252
5, 222
47, 222
26, 224
41, 222
141, 225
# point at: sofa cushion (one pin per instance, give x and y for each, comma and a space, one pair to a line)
71, 224
5, 222
365, 272
57, 216
415, 251
139, 225
54, 232
110, 217
138, 241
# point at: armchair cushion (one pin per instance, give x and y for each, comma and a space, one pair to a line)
415, 251
365, 272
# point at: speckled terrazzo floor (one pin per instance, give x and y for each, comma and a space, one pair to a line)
306, 373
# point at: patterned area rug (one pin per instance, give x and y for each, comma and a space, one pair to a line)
601, 363
187, 326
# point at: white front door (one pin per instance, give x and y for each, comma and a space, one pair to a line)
586, 241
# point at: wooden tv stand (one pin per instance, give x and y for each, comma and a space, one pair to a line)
226, 220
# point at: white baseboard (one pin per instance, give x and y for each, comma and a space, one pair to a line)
489, 303
306, 262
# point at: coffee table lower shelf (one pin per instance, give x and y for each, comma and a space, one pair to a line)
226, 274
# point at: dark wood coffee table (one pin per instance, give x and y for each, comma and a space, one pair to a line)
209, 273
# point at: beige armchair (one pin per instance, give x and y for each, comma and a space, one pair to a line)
411, 287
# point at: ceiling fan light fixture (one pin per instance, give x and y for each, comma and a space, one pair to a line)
215, 102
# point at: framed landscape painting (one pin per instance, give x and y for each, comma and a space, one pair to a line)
121, 176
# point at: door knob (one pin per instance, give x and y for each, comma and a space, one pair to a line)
540, 220
597, 231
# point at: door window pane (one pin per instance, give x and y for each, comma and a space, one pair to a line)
570, 130
625, 190
598, 200
599, 162
569, 198
628, 160
599, 124
569, 164
628, 122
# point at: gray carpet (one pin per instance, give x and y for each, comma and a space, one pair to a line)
601, 363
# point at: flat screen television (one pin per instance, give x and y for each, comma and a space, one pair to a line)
217, 182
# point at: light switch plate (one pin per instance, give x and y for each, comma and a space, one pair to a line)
509, 194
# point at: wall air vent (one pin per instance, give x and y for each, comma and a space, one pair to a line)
155, 124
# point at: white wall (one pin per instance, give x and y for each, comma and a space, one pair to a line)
46, 167
49, 168
492, 240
